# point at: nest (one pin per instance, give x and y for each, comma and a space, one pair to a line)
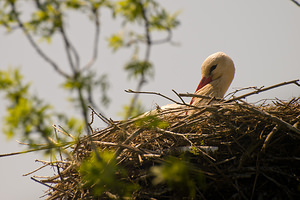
240, 150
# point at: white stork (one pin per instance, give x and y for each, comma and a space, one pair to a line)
217, 73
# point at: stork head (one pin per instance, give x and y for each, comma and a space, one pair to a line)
218, 71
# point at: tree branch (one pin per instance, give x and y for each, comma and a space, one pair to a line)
34, 44
96, 41
147, 56
296, 2
264, 89
70, 48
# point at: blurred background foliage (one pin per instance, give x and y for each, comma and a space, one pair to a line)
30, 117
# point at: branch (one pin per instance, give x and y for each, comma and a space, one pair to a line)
70, 48
296, 2
96, 41
167, 39
263, 89
179, 96
198, 96
155, 93
271, 117
147, 56
34, 44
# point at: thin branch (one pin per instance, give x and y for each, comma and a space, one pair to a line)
198, 96
155, 93
45, 165
264, 89
38, 149
167, 39
147, 56
69, 48
96, 41
53, 188
272, 117
269, 137
296, 2
34, 44
101, 116
179, 96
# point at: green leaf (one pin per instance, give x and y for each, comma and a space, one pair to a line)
116, 41
136, 68
130, 9
164, 21
152, 122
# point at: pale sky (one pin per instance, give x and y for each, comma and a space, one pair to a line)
262, 38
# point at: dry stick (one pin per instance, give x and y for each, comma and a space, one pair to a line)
62, 131
263, 89
185, 138
272, 117
198, 96
164, 96
129, 139
36, 170
179, 96
53, 188
32, 150
102, 117
135, 149
269, 137
155, 93
57, 176
257, 91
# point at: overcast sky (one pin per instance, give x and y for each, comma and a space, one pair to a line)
262, 38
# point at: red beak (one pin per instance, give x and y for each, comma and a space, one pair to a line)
202, 83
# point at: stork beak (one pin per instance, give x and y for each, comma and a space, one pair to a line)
204, 81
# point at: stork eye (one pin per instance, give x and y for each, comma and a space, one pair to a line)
212, 68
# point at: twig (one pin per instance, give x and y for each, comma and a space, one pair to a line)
155, 93
45, 165
296, 2
53, 188
269, 137
128, 140
197, 95
102, 117
96, 41
179, 96
263, 89
63, 131
241, 89
70, 48
272, 117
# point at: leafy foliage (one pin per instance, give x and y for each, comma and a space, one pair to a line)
137, 68
151, 122
28, 115
31, 117
102, 174
180, 175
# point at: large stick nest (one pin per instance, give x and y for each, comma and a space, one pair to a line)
243, 152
